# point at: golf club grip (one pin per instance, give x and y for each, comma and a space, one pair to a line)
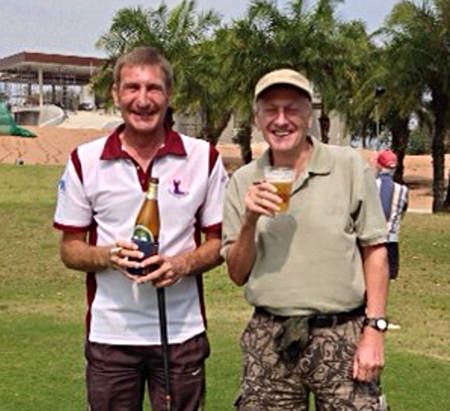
164, 343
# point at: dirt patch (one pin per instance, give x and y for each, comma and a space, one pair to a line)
53, 145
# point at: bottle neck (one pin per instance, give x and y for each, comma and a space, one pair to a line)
152, 192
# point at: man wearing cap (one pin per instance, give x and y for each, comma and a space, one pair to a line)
317, 274
394, 199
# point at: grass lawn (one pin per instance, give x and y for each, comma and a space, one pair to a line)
42, 311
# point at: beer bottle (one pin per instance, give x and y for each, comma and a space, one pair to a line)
146, 229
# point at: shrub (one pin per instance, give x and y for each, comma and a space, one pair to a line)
419, 143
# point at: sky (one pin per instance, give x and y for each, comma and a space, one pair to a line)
73, 27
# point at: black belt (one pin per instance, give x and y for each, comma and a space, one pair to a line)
321, 320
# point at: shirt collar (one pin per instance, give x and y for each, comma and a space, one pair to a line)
173, 144
321, 161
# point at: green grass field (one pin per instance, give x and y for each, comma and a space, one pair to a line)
42, 311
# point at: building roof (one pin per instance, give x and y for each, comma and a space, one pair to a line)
56, 68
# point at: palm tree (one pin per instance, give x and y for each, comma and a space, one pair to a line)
184, 38
419, 36
130, 27
323, 46
391, 103
267, 39
250, 51
202, 88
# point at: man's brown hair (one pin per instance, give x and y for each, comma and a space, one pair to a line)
144, 56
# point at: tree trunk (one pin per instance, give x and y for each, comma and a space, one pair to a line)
439, 108
364, 135
244, 139
211, 132
400, 136
438, 172
447, 197
324, 122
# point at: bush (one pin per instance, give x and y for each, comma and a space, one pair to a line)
419, 143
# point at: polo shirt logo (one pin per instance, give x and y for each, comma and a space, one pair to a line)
62, 185
178, 188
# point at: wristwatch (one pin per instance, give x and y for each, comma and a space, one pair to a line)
379, 323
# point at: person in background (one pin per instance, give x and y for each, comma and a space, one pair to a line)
317, 275
99, 196
394, 199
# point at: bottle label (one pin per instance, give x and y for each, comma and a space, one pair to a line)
142, 233
148, 249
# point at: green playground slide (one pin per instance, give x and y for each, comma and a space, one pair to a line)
8, 126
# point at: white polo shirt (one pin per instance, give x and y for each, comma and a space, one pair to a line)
101, 191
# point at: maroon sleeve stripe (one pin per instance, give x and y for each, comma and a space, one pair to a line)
91, 289
69, 228
77, 164
91, 279
213, 156
213, 229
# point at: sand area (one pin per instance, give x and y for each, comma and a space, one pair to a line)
53, 145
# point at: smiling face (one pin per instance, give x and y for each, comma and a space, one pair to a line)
284, 116
142, 97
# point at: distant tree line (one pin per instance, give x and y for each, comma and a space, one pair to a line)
378, 82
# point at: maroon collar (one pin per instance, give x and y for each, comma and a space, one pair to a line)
113, 146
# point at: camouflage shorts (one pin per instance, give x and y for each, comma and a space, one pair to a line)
323, 368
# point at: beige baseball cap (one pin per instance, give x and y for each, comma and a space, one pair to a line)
283, 76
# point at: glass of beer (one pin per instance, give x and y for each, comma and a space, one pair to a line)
282, 178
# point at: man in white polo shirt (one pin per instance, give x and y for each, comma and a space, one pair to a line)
100, 193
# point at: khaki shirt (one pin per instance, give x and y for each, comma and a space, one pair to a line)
308, 260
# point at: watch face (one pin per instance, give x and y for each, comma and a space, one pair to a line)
382, 324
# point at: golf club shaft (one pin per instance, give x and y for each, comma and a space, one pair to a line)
164, 344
